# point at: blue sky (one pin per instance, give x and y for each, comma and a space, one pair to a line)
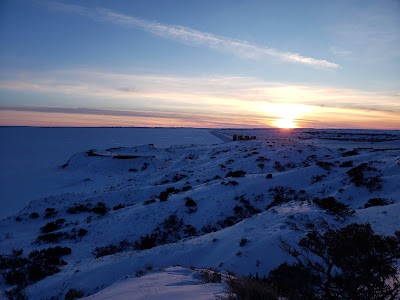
200, 63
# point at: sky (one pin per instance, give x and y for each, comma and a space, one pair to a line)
179, 63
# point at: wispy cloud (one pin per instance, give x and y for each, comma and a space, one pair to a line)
340, 52
372, 33
201, 94
193, 37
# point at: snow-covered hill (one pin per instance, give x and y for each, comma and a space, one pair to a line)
224, 206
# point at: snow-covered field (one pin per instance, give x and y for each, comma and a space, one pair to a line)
133, 210
31, 157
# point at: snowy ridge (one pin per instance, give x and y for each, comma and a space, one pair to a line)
223, 206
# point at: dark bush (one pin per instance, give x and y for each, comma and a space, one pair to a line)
326, 165
243, 242
317, 178
239, 173
190, 202
208, 228
231, 182
53, 237
178, 177
119, 206
294, 281
147, 202
165, 194
50, 212
168, 231
350, 153
251, 288
34, 215
262, 159
377, 202
79, 208
346, 263
211, 276
21, 271
73, 294
366, 175
189, 230
110, 249
280, 195
278, 166
52, 226
100, 209
82, 232
17, 293
146, 242
269, 176
334, 207
238, 210
191, 205
186, 188
347, 164
46, 262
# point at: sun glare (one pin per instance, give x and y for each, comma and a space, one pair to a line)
285, 123
287, 114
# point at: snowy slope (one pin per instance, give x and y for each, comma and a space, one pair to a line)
31, 156
171, 283
213, 216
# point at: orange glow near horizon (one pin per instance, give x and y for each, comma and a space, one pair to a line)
287, 113
285, 123
265, 115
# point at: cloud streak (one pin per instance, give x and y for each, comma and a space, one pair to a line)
174, 93
193, 37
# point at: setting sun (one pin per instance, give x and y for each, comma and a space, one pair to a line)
287, 114
285, 123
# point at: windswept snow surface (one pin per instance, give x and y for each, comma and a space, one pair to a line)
172, 283
31, 156
190, 205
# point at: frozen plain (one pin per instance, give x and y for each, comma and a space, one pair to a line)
309, 162
30, 156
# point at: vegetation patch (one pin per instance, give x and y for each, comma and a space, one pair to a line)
163, 196
347, 164
100, 208
34, 215
326, 165
50, 212
118, 207
111, 249
366, 175
73, 294
171, 230
284, 194
279, 167
350, 153
377, 202
147, 202
334, 207
239, 173
190, 204
125, 156
22, 271
52, 226
346, 263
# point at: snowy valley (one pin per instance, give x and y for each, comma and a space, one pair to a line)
146, 221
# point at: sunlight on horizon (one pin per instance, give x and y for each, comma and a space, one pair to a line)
285, 123
286, 114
